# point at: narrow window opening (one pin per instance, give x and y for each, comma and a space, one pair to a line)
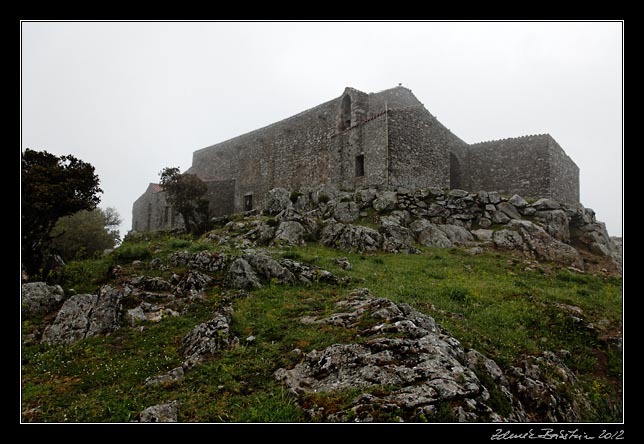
360, 165
166, 213
248, 202
345, 113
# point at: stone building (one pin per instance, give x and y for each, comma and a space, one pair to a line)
358, 140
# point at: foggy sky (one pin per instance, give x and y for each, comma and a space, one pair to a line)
134, 97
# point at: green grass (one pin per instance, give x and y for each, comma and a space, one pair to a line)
488, 302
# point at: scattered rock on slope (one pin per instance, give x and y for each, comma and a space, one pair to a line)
85, 315
38, 298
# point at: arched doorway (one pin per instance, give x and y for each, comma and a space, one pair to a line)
455, 174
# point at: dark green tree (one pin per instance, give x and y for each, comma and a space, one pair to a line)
51, 187
186, 195
83, 234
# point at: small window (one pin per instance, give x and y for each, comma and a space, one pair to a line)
345, 113
166, 213
360, 165
248, 202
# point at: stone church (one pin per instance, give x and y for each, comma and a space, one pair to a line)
359, 140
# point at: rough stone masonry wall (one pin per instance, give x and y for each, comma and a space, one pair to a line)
519, 165
221, 197
419, 149
564, 175
152, 212
289, 153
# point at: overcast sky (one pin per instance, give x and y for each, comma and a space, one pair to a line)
132, 98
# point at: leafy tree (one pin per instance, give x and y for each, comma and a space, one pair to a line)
186, 194
51, 187
85, 233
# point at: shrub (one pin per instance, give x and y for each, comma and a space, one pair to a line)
128, 253
324, 198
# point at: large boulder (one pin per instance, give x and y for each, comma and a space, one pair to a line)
429, 234
457, 235
241, 275
269, 268
546, 204
543, 246
277, 200
38, 298
555, 223
289, 233
350, 237
85, 315
396, 237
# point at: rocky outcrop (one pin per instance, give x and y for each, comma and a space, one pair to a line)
208, 338
350, 237
160, 413
289, 233
401, 348
269, 268
278, 200
147, 312
241, 275
85, 315
407, 368
38, 299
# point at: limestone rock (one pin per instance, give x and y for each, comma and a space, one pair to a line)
546, 204
483, 235
396, 237
192, 285
457, 235
350, 237
423, 364
307, 273
385, 201
555, 223
261, 234
277, 200
364, 198
499, 217
269, 268
544, 246
85, 315
518, 201
343, 262
173, 375
208, 261
429, 234
509, 210
38, 298
147, 312
241, 275
509, 239
208, 338
289, 233
160, 413
346, 212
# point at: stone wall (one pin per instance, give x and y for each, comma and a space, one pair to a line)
317, 146
221, 197
152, 212
564, 175
532, 166
361, 140
518, 165
419, 149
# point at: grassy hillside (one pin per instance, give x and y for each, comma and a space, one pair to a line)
503, 306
